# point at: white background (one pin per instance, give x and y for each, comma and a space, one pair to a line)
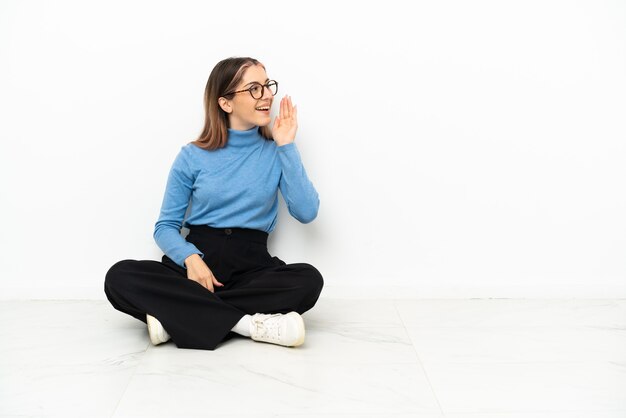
460, 149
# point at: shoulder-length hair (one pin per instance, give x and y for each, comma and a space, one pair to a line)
226, 75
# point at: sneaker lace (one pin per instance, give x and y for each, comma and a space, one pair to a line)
268, 327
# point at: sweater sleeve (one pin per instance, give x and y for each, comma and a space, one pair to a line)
175, 202
299, 193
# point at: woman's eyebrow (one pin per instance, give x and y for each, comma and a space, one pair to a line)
252, 82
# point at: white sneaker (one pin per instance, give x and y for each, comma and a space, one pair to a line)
281, 329
157, 333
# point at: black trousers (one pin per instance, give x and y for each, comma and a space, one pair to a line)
254, 282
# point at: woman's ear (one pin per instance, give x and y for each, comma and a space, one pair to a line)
225, 104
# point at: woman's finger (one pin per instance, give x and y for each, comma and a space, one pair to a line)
287, 107
202, 282
213, 280
277, 122
282, 108
293, 109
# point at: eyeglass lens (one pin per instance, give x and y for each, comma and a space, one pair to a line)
257, 90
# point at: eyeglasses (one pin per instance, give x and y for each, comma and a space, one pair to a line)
257, 90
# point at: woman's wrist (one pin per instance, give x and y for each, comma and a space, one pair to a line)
192, 258
282, 144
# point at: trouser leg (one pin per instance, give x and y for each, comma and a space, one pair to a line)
193, 316
277, 289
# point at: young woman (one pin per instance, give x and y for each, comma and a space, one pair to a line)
220, 279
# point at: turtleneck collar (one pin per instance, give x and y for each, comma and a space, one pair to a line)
243, 139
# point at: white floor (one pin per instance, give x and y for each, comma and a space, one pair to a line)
503, 358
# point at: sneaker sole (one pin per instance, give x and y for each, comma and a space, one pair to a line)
153, 330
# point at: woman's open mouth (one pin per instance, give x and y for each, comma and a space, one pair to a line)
263, 109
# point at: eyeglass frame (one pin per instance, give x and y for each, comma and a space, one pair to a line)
249, 89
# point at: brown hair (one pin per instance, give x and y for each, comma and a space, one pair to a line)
226, 75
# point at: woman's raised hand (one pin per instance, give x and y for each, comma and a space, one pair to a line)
198, 271
286, 123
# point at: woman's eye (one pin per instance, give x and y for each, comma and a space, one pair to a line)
255, 89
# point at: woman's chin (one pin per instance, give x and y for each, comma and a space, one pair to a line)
264, 122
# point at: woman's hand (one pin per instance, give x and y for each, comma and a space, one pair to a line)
286, 123
198, 271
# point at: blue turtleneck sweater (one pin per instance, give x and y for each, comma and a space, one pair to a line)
234, 186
